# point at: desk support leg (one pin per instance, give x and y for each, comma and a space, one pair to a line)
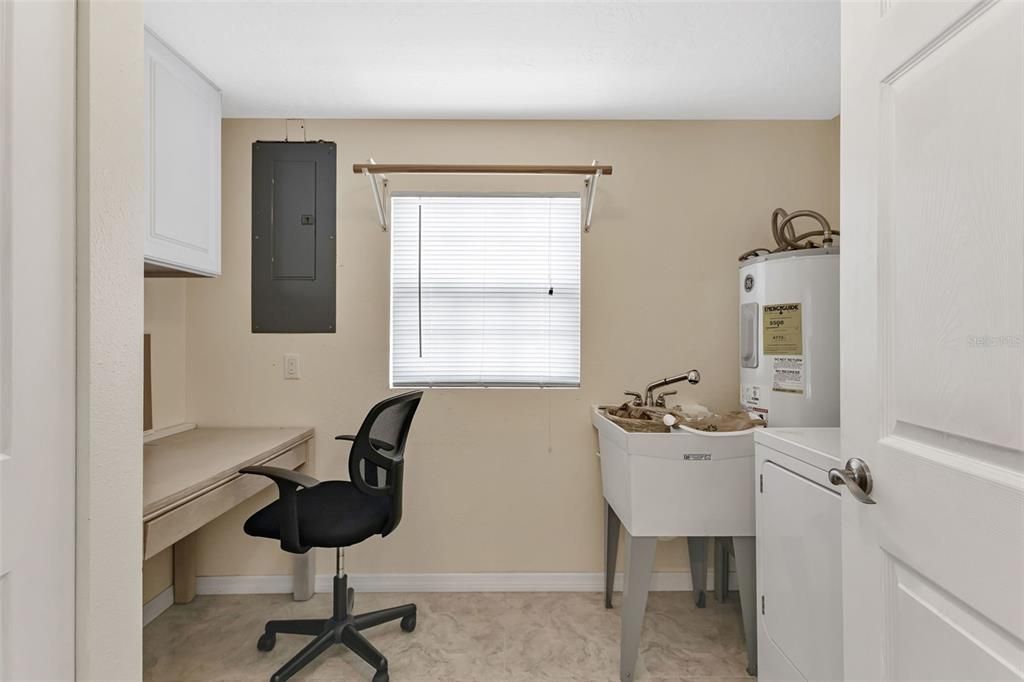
185, 569
304, 576
746, 566
639, 566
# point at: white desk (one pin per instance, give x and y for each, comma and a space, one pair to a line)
191, 478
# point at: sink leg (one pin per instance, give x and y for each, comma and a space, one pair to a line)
698, 550
746, 567
611, 551
639, 565
721, 569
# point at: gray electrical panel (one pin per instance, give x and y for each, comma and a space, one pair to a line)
294, 194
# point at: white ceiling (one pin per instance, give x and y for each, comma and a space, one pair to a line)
537, 60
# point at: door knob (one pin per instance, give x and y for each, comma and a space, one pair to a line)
856, 476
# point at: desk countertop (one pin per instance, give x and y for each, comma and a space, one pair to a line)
186, 463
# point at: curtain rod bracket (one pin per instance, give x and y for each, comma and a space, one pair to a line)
378, 195
590, 187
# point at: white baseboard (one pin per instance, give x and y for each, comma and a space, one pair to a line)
665, 581
157, 605
674, 581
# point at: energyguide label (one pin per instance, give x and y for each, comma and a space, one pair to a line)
783, 332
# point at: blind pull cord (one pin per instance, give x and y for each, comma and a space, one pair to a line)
551, 288
419, 276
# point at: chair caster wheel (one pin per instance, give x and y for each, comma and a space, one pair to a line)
408, 623
266, 641
381, 676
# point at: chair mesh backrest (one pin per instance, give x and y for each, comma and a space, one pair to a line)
392, 425
384, 433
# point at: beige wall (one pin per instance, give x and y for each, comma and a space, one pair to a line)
157, 574
504, 480
110, 172
165, 323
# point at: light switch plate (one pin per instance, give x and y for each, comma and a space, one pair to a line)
291, 366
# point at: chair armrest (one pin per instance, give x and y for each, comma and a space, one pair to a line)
279, 475
288, 482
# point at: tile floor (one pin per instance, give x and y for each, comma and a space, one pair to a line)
484, 637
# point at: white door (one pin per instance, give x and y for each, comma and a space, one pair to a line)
933, 338
37, 340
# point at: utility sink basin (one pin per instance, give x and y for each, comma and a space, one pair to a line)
682, 483
696, 484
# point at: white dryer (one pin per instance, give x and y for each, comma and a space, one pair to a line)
799, 555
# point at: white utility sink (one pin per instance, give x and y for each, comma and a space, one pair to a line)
691, 483
683, 483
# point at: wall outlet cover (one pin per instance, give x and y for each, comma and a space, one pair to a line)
291, 366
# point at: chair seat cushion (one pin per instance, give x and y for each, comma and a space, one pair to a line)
331, 514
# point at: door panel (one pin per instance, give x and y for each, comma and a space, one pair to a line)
181, 181
293, 222
935, 636
949, 233
933, 338
801, 565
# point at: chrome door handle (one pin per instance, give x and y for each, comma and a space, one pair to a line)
856, 476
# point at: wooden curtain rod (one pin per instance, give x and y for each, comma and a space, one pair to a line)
469, 169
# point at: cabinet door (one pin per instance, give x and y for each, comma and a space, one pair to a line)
182, 164
800, 556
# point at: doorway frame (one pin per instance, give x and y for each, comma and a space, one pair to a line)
38, 370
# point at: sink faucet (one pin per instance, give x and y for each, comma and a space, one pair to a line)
693, 376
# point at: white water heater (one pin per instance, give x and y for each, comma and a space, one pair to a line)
789, 337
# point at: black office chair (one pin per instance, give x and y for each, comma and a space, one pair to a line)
337, 514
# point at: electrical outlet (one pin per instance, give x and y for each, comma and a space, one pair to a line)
291, 366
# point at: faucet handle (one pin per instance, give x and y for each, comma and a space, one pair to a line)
638, 400
660, 402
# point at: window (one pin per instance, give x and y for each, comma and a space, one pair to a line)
485, 290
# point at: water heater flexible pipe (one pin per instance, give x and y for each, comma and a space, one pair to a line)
785, 235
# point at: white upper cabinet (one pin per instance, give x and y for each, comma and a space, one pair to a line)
183, 119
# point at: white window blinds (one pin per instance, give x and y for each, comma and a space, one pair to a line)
485, 290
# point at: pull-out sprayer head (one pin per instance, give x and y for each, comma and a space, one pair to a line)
693, 377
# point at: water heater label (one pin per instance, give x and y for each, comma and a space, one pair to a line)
783, 332
788, 374
754, 399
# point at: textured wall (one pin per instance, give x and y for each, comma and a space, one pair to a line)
110, 320
165, 323
504, 480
